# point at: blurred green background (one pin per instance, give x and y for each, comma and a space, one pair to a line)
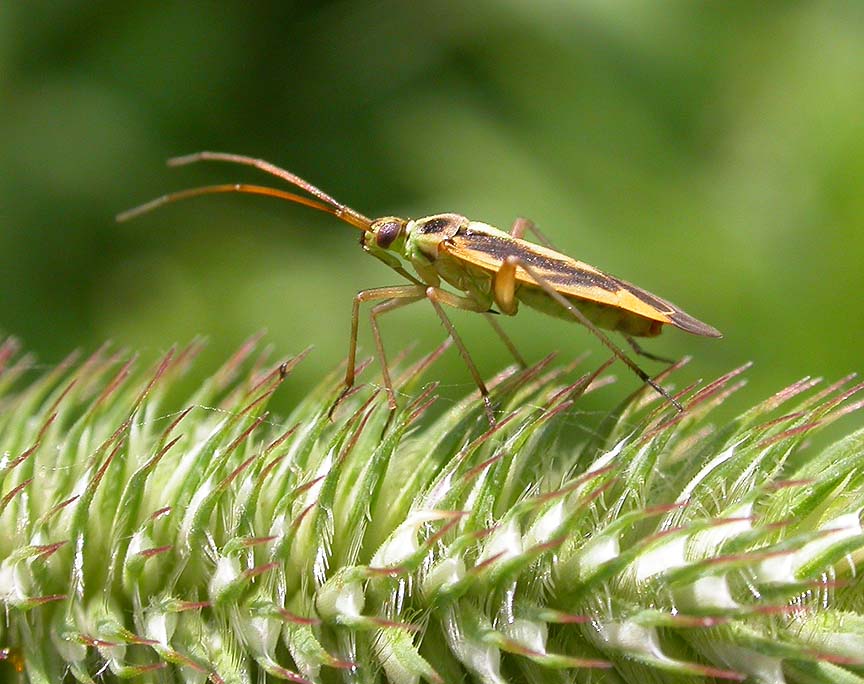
712, 153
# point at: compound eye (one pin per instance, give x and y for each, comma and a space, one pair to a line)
387, 233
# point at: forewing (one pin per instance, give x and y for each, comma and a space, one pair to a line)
572, 278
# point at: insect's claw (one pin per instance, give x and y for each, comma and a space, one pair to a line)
344, 393
332, 409
490, 411
390, 414
663, 393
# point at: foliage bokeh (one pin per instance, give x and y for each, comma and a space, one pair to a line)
710, 152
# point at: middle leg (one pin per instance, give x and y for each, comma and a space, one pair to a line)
437, 297
505, 338
522, 225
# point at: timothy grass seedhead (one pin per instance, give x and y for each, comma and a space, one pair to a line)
215, 541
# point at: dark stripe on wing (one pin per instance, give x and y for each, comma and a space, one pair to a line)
557, 271
568, 273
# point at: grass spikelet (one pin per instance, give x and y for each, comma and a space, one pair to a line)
213, 541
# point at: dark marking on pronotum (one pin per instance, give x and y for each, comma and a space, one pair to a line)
435, 225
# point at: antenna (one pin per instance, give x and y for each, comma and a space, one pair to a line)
327, 203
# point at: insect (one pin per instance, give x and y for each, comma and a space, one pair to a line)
492, 270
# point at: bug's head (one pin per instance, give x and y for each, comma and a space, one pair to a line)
385, 233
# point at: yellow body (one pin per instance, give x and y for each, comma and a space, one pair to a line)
469, 255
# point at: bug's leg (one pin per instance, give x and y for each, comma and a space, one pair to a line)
437, 297
599, 334
522, 225
376, 311
504, 296
636, 347
504, 288
505, 338
400, 295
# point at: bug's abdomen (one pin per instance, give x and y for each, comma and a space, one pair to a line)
601, 315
